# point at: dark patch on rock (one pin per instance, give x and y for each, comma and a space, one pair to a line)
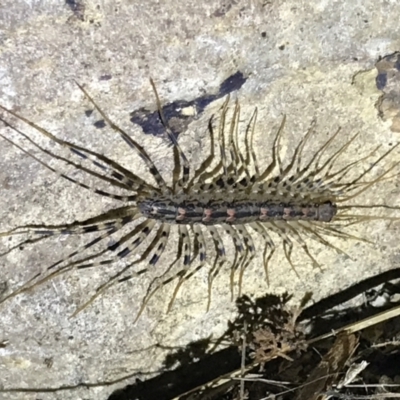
181, 113
388, 81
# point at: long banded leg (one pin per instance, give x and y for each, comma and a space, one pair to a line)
275, 153
331, 231
249, 254
236, 166
339, 175
219, 260
299, 152
199, 236
240, 164
280, 228
202, 255
24, 243
172, 138
301, 172
328, 165
123, 175
232, 139
316, 159
295, 162
208, 161
30, 284
74, 181
249, 159
311, 174
352, 219
184, 273
161, 245
183, 247
292, 225
333, 181
176, 172
239, 250
215, 172
309, 228
110, 180
366, 185
253, 157
288, 249
145, 227
269, 246
93, 224
221, 139
99, 223
177, 258
116, 278
132, 144
187, 261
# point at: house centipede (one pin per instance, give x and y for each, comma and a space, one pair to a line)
229, 191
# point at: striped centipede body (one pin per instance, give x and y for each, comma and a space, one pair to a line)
228, 192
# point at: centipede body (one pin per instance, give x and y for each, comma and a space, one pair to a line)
291, 200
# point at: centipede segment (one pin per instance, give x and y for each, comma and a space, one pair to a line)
286, 204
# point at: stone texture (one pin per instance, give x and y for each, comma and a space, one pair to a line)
308, 60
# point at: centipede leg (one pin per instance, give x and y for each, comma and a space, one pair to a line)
312, 231
203, 173
295, 162
249, 255
105, 221
132, 144
159, 239
219, 260
269, 246
292, 225
144, 227
186, 165
233, 141
333, 181
150, 291
280, 228
301, 172
118, 175
275, 158
250, 144
238, 250
184, 274
199, 173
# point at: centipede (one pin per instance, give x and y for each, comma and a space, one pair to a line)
284, 203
